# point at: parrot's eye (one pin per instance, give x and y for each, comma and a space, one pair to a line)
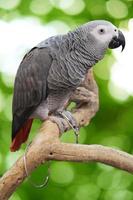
101, 31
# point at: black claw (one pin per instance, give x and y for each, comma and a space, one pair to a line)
77, 137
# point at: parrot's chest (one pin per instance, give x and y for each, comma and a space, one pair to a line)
65, 75
68, 69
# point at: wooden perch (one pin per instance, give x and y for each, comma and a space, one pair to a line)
47, 146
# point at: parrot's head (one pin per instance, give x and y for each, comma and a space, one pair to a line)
103, 34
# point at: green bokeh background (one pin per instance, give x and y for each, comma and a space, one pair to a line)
112, 126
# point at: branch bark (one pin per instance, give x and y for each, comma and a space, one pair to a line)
47, 146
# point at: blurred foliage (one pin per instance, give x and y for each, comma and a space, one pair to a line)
112, 126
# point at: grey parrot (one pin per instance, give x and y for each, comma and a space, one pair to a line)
51, 71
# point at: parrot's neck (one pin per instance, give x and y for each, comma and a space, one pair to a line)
87, 52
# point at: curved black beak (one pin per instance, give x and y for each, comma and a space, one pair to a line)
118, 41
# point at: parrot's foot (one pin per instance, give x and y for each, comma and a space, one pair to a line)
72, 122
62, 124
65, 116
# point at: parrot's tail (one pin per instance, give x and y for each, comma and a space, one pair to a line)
21, 136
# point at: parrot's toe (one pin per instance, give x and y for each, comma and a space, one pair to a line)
61, 122
71, 121
62, 119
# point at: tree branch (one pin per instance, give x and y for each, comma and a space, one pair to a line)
47, 146
98, 153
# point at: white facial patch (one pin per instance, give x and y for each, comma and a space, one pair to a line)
104, 33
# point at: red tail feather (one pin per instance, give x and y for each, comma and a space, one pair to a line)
21, 136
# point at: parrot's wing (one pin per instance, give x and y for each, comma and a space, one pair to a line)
30, 86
